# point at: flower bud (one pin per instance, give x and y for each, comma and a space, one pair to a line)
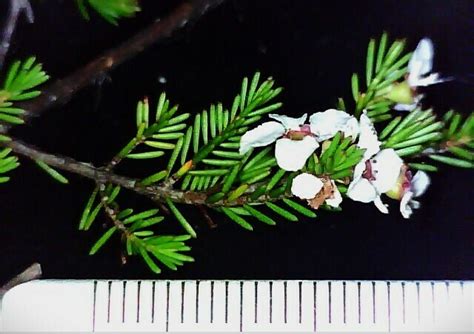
401, 93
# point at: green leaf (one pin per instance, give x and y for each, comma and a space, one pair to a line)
282, 212
154, 178
188, 228
452, 161
236, 218
260, 216
103, 239
381, 51
461, 153
355, 86
370, 61
423, 166
87, 209
52, 172
301, 209
146, 155
141, 215
149, 261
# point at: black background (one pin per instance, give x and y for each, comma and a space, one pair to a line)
310, 48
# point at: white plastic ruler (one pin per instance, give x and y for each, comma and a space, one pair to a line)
239, 306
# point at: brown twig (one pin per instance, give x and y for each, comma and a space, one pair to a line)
102, 176
206, 216
16, 8
31, 273
62, 90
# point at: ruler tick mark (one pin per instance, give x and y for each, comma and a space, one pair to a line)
271, 301
344, 300
315, 289
418, 299
153, 302
256, 300
94, 306
330, 306
389, 309
358, 301
212, 302
123, 300
109, 293
197, 302
183, 290
167, 305
285, 297
433, 301
241, 304
373, 302
138, 300
403, 300
226, 301
300, 296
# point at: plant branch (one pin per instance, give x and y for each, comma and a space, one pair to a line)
102, 176
16, 8
62, 90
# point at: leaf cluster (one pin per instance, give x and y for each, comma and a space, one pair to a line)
385, 64
21, 82
136, 230
110, 10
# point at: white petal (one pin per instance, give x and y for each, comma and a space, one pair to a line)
326, 124
337, 198
290, 123
359, 170
362, 190
409, 107
421, 61
291, 155
386, 168
380, 205
368, 138
431, 79
306, 186
405, 207
420, 183
262, 135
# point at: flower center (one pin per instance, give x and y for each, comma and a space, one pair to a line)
305, 130
368, 173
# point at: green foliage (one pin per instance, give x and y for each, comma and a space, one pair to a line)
52, 172
458, 141
337, 159
20, 83
385, 65
8, 163
110, 10
413, 133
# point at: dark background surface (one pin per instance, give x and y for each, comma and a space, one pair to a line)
310, 48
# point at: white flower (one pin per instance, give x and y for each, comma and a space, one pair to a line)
326, 124
307, 186
294, 140
407, 188
419, 68
368, 138
375, 176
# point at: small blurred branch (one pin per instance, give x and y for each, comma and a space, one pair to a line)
16, 8
31, 273
62, 90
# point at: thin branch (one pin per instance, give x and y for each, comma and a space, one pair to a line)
62, 90
31, 273
102, 176
16, 8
